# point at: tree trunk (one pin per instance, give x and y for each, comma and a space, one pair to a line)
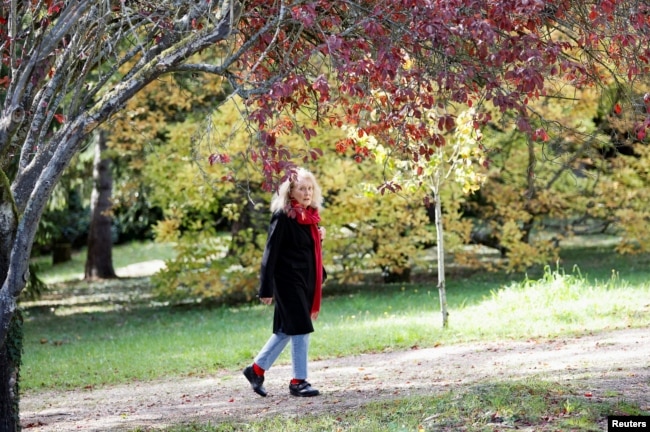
441, 259
10, 359
99, 262
11, 322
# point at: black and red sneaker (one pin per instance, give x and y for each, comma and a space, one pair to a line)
303, 389
255, 380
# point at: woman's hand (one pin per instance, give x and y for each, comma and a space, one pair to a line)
314, 316
322, 232
266, 300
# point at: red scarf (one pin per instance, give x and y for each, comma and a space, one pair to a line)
309, 216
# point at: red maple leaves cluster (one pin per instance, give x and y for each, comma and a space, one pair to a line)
380, 66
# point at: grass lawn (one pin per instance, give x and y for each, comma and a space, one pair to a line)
136, 338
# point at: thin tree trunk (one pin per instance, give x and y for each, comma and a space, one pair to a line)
441, 259
99, 261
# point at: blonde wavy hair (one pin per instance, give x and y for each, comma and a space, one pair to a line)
282, 198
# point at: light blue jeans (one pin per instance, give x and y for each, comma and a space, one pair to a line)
276, 344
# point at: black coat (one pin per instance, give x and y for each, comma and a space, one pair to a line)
288, 274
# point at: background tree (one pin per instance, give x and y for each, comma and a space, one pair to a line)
459, 162
99, 259
212, 213
583, 180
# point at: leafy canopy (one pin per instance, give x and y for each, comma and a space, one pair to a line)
389, 63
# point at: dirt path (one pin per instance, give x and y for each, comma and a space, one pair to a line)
614, 364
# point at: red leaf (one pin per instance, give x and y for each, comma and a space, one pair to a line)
449, 123
218, 158
59, 118
540, 135
523, 124
446, 123
315, 153
55, 8
618, 109
640, 135
308, 133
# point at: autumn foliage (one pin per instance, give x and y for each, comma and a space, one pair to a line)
381, 65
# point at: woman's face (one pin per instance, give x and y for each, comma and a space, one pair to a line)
302, 191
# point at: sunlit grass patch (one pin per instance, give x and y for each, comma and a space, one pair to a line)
559, 302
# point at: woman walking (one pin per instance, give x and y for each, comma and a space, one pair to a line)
292, 274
